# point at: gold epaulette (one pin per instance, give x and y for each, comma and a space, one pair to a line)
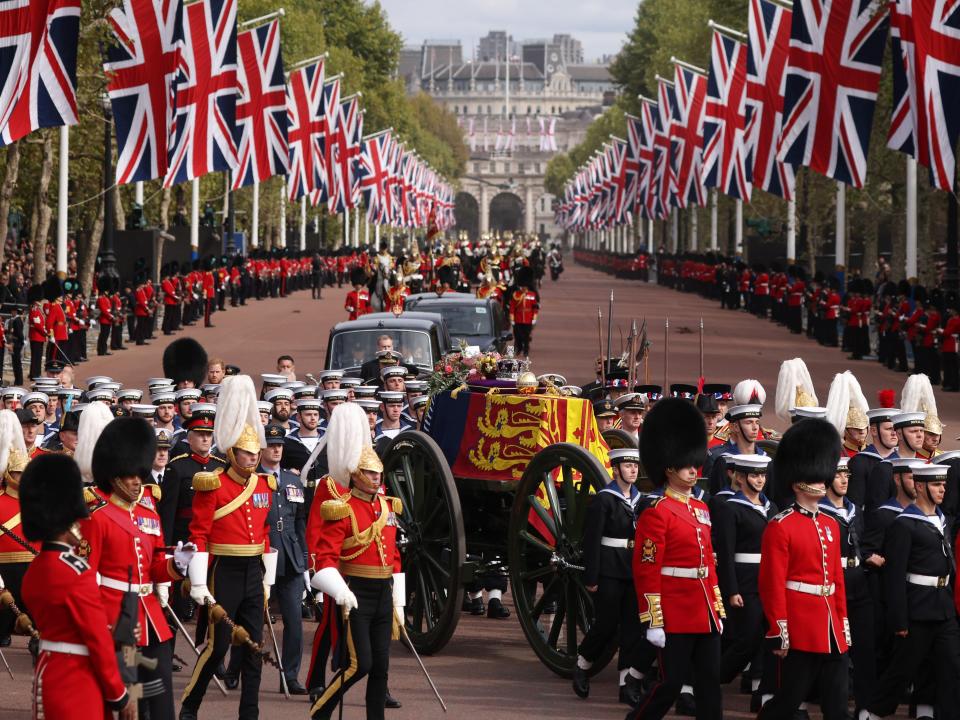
723, 433
271, 480
334, 510
178, 457
155, 491
92, 498
396, 504
206, 481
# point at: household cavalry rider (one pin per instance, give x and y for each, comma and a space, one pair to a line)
230, 530
358, 566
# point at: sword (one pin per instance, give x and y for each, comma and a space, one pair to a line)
183, 631
433, 687
276, 649
6, 665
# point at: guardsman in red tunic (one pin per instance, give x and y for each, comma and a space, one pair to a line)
124, 546
56, 329
951, 347
795, 293
358, 299
358, 567
523, 309
229, 529
105, 318
76, 675
397, 295
674, 570
801, 580
14, 557
171, 304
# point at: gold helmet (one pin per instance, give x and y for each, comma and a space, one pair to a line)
17, 461
857, 419
248, 440
932, 424
804, 399
369, 460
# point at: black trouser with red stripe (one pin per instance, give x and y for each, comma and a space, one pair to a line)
237, 584
699, 652
366, 643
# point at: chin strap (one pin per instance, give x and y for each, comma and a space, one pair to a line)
810, 490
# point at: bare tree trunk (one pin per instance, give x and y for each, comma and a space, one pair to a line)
42, 209
88, 258
6, 193
165, 200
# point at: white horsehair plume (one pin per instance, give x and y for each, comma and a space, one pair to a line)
794, 379
348, 432
93, 419
236, 407
845, 393
11, 436
917, 395
749, 392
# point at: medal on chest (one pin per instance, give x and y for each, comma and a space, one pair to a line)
147, 502
293, 493
702, 515
829, 534
261, 500
149, 525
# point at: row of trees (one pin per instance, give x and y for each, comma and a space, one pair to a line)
875, 213
361, 44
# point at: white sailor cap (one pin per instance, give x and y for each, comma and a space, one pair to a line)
909, 419
749, 462
143, 410
742, 412
621, 455
264, 406
817, 413
99, 393
157, 381
368, 404
309, 404
331, 375
97, 379
630, 401
393, 371
279, 393
948, 456
932, 472
335, 395
391, 397
367, 391
420, 400
843, 464
415, 385
293, 384
130, 394
902, 465
349, 381
13, 392
35, 397
305, 391
163, 398
881, 415
210, 388
273, 379
69, 392
189, 394
112, 386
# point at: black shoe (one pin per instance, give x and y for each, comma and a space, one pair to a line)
175, 666
496, 610
801, 714
746, 686
5, 641
581, 683
390, 702
294, 687
686, 705
756, 701
631, 691
231, 680
187, 713
474, 607
315, 693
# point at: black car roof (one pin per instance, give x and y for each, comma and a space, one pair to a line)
407, 320
431, 298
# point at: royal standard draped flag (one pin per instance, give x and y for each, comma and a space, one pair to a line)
141, 67
926, 65
206, 93
832, 77
686, 136
261, 130
38, 65
724, 131
768, 45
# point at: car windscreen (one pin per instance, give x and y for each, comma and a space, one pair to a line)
352, 348
464, 319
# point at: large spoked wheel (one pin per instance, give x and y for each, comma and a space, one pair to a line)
769, 446
546, 554
431, 537
617, 439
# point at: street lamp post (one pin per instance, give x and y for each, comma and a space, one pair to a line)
108, 261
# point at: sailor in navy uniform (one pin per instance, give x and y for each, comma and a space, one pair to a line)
738, 525
919, 579
330, 379
883, 446
909, 433
631, 407
331, 398
744, 424
287, 520
860, 606
299, 443
608, 541
391, 422
282, 400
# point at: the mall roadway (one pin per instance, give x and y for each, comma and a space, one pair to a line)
488, 669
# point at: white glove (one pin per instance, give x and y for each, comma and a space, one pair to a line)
269, 572
656, 637
332, 583
197, 573
306, 585
163, 594
182, 555
1, 582
399, 590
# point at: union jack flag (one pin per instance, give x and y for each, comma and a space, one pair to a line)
330, 191
926, 67
832, 77
141, 68
372, 171
686, 136
632, 168
38, 65
305, 127
724, 139
768, 44
646, 130
261, 107
663, 173
346, 148
206, 93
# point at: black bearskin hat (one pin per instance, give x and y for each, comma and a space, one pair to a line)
673, 436
808, 452
52, 288
358, 277
446, 275
903, 288
51, 496
126, 447
35, 294
185, 359
524, 276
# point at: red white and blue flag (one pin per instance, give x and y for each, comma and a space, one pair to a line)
686, 137
663, 174
646, 189
261, 130
768, 45
329, 192
38, 65
926, 70
725, 164
305, 128
832, 77
206, 93
141, 67
373, 173
346, 151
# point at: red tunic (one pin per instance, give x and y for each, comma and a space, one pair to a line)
140, 309
62, 594
105, 307
358, 303
10, 550
801, 546
127, 539
326, 489
950, 332
57, 322
37, 324
379, 558
524, 307
242, 532
169, 292
672, 541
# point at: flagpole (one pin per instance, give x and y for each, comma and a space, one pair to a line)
195, 218
911, 259
62, 187
840, 251
791, 231
674, 230
346, 227
713, 220
366, 230
694, 239
739, 228
356, 226
263, 18
303, 222
283, 213
137, 192
255, 217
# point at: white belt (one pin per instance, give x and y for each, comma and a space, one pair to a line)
851, 562
751, 558
124, 586
694, 572
63, 647
616, 542
928, 580
808, 589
